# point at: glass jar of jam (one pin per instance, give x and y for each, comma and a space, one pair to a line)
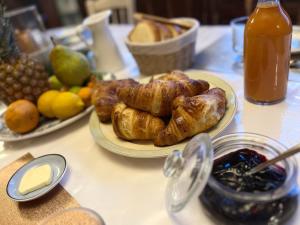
217, 171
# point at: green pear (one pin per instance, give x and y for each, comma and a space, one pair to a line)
75, 89
55, 83
71, 68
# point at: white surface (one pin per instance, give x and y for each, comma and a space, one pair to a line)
131, 191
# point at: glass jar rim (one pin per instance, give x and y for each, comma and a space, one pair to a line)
91, 213
289, 165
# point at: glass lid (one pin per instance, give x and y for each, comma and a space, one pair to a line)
188, 171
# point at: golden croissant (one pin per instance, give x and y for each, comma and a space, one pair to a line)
157, 96
192, 115
104, 96
175, 75
131, 124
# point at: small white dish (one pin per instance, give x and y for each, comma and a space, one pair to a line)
58, 166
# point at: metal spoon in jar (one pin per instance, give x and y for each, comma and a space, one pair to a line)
292, 151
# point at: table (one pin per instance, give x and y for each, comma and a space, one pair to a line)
132, 191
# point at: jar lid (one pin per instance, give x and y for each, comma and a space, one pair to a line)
188, 171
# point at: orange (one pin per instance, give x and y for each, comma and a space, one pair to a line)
21, 116
85, 94
92, 82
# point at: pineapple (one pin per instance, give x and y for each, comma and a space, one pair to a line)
20, 76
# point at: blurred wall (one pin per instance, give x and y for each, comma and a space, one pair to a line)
210, 11
66, 12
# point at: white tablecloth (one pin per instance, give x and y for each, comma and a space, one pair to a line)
132, 191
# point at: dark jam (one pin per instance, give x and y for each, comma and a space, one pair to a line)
230, 170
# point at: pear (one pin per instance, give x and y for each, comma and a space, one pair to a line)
75, 89
71, 68
55, 83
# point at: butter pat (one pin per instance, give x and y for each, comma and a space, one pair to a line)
35, 178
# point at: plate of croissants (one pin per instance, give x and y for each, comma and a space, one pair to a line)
153, 116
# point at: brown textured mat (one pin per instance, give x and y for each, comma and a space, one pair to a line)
33, 212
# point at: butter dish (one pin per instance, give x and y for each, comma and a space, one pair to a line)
57, 164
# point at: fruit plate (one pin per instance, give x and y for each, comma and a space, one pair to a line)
45, 127
104, 135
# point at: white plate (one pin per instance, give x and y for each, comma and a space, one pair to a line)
44, 128
104, 135
58, 166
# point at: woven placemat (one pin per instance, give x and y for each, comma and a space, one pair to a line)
33, 212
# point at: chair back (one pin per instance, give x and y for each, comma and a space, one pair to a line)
249, 4
122, 10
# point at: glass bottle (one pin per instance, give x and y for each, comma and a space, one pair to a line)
268, 35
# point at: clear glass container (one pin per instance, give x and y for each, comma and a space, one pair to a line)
30, 33
238, 28
189, 174
74, 216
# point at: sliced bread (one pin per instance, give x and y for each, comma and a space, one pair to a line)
175, 30
145, 32
164, 31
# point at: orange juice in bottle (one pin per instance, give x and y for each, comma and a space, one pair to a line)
267, 47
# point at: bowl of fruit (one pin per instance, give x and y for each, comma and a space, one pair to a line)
36, 103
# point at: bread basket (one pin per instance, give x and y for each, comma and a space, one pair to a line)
167, 55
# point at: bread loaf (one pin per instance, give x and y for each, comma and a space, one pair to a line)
164, 32
145, 32
148, 31
175, 30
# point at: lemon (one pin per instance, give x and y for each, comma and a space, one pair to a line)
66, 105
45, 101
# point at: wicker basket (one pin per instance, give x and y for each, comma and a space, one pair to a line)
164, 56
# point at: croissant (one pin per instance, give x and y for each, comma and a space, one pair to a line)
192, 115
131, 124
104, 96
157, 96
175, 75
